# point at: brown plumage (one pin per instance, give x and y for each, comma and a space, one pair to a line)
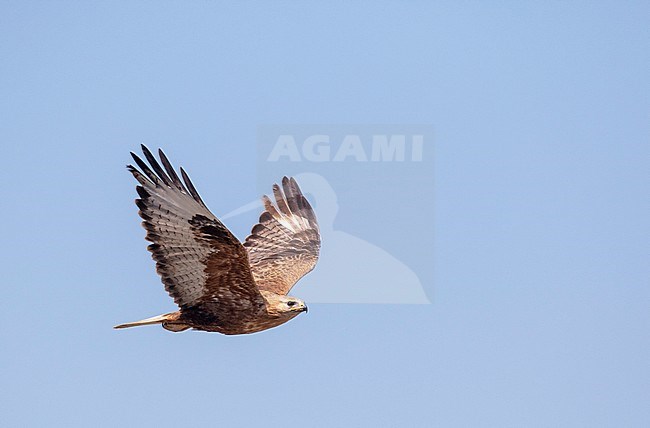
219, 283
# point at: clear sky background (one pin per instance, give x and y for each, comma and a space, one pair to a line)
540, 298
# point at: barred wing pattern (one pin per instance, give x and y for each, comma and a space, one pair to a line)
284, 245
202, 265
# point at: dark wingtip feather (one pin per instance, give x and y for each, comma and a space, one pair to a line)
295, 186
170, 170
145, 169
285, 182
281, 200
142, 192
300, 198
190, 187
142, 206
290, 195
156, 166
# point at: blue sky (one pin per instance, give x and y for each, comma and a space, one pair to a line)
539, 212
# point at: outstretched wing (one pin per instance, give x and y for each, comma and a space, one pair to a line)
284, 245
202, 265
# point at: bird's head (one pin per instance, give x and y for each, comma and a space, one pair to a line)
283, 306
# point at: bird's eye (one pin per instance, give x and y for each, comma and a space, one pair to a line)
290, 304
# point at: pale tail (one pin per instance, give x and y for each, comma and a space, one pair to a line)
168, 321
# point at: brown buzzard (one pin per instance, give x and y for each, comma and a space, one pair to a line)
219, 283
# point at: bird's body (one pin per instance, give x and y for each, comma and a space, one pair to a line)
220, 284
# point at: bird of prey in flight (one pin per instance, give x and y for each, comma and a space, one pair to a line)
220, 284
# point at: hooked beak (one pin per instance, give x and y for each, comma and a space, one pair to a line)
305, 309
